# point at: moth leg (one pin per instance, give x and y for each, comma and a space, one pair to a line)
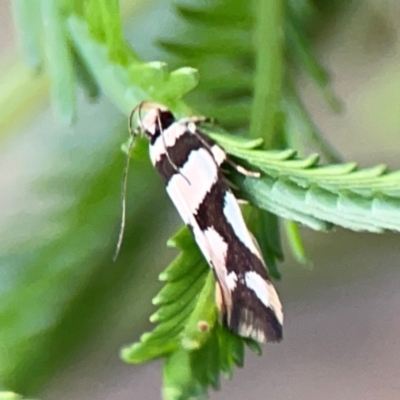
197, 119
231, 185
219, 154
242, 170
242, 202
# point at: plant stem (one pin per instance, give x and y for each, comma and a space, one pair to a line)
268, 75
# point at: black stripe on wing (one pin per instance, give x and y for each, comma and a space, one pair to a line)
180, 152
251, 318
248, 315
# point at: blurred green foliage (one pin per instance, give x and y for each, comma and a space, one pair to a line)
58, 287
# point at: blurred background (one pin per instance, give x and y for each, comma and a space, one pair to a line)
66, 309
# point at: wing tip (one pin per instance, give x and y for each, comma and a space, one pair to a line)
248, 317
262, 327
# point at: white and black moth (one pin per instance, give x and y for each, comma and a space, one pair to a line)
189, 162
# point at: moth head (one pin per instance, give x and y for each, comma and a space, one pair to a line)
156, 119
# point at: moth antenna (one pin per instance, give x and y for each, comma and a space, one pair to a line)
166, 152
123, 201
133, 133
137, 109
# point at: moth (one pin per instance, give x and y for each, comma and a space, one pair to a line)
189, 163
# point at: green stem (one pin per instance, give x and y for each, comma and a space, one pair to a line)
268, 38
268, 75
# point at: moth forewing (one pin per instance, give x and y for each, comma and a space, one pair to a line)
189, 162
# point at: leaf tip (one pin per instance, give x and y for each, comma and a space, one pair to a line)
154, 317
163, 277
172, 393
190, 344
126, 353
157, 300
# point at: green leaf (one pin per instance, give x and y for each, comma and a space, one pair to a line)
85, 77
318, 196
112, 77
202, 318
28, 23
185, 277
235, 141
58, 61
180, 81
296, 243
195, 346
127, 85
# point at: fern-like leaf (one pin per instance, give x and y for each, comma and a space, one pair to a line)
299, 189
195, 346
